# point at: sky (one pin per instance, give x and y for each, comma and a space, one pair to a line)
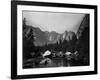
54, 21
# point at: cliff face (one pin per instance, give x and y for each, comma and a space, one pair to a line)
84, 24
83, 39
42, 38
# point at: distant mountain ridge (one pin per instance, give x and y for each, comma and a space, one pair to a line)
45, 37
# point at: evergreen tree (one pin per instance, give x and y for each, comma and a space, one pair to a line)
28, 39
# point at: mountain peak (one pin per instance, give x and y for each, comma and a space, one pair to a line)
45, 37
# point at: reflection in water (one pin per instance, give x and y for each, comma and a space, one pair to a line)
56, 62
